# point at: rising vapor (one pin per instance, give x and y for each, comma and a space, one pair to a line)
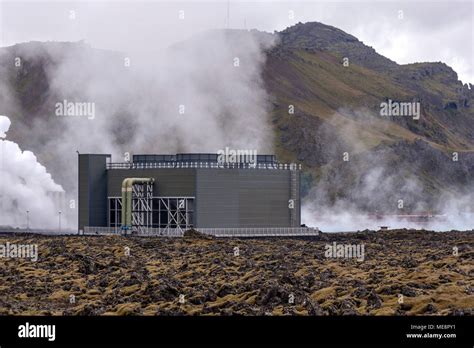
25, 185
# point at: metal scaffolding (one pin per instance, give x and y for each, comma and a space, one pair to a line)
179, 213
142, 216
294, 196
149, 213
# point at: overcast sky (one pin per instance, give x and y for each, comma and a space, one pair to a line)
423, 31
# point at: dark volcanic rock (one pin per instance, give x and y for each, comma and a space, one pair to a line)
373, 300
213, 281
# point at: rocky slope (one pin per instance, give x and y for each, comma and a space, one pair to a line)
336, 114
337, 130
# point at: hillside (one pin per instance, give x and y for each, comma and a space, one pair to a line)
337, 110
336, 114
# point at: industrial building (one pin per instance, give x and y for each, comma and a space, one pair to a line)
186, 191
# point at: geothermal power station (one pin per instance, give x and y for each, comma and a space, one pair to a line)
169, 193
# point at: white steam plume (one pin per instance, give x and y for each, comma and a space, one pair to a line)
370, 200
201, 95
342, 217
25, 185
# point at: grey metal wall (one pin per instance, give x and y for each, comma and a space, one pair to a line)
243, 198
169, 182
224, 197
92, 190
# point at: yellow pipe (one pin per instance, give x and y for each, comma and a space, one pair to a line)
127, 190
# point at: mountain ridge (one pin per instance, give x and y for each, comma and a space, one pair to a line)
336, 111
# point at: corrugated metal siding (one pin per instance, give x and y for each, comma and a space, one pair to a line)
224, 197
83, 192
169, 182
242, 198
92, 190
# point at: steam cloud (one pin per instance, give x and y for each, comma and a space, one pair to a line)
345, 217
25, 185
201, 95
364, 193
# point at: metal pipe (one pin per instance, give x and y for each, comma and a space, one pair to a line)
124, 202
127, 190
